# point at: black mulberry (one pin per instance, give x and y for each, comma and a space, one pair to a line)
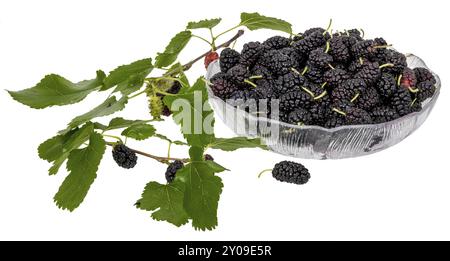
335, 77
383, 114
228, 59
277, 42
291, 172
319, 59
288, 81
386, 86
277, 62
124, 156
295, 99
222, 85
250, 53
370, 73
423, 74
426, 90
172, 169
339, 50
299, 117
368, 99
401, 101
238, 73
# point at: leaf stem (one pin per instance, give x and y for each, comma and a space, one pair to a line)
226, 31
203, 39
112, 136
213, 40
136, 95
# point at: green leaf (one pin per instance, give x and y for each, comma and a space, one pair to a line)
139, 131
202, 191
51, 149
109, 106
192, 112
162, 137
231, 144
56, 90
131, 74
206, 23
58, 148
167, 200
83, 165
216, 167
176, 45
254, 21
119, 123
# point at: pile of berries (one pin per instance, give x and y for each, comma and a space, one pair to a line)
323, 79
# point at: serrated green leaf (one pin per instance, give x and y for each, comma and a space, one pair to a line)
99, 126
162, 137
216, 167
130, 75
192, 112
109, 106
202, 191
231, 144
176, 45
255, 21
167, 200
206, 23
56, 90
119, 123
51, 149
58, 148
139, 131
83, 166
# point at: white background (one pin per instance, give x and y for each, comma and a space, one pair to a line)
401, 193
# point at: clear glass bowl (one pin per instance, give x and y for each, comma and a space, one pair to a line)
314, 142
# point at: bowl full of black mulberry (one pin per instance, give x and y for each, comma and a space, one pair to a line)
322, 96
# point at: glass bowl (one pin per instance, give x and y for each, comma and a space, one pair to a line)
315, 142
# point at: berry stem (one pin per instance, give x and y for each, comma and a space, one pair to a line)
399, 79
255, 77
329, 27
251, 83
320, 95
386, 65
411, 89
305, 70
327, 48
264, 171
354, 97
157, 158
295, 70
339, 111
308, 91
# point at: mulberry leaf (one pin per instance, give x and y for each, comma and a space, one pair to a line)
56, 90
83, 165
206, 23
176, 45
167, 200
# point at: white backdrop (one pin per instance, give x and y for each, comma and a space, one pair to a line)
400, 193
